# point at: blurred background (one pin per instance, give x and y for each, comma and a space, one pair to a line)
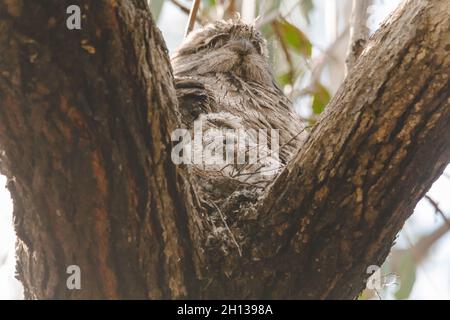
308, 42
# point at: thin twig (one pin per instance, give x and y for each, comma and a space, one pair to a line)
181, 6
420, 249
228, 228
438, 210
192, 17
186, 10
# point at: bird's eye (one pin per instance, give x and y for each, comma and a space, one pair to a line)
216, 40
258, 46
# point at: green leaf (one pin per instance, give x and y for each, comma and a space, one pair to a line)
286, 78
407, 273
294, 37
321, 97
209, 3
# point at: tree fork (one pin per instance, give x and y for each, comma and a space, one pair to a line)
85, 123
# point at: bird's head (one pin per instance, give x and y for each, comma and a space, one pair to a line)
224, 47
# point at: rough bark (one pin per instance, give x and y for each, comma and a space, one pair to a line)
85, 122
381, 143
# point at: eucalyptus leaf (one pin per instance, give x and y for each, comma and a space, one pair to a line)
321, 97
294, 37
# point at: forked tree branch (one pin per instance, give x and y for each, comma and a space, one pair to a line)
85, 123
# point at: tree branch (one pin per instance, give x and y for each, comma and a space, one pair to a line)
186, 10
192, 17
181, 6
382, 141
85, 124
438, 210
420, 250
359, 31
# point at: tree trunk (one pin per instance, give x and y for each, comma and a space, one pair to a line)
85, 123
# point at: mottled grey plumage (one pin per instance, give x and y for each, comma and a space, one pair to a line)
222, 69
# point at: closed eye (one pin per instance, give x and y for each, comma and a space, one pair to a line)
216, 40
258, 46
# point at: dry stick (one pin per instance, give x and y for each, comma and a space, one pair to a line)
228, 228
359, 32
180, 5
186, 10
438, 210
422, 247
192, 17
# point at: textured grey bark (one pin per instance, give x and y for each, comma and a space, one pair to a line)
85, 122
359, 31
